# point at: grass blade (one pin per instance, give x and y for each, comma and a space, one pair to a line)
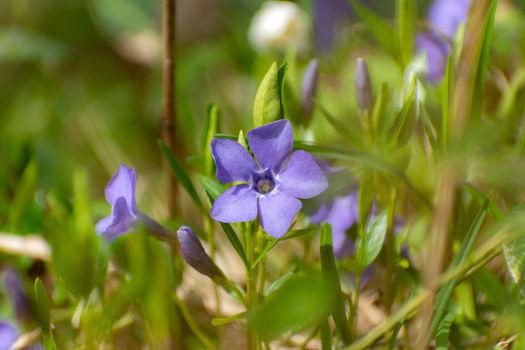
181, 174
331, 278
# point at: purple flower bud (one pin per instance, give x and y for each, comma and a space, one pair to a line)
309, 87
194, 254
363, 87
436, 50
15, 291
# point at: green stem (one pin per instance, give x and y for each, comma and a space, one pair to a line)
251, 287
355, 308
191, 323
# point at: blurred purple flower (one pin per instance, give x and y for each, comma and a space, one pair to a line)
120, 193
270, 189
328, 17
444, 16
16, 293
437, 51
194, 254
342, 213
8, 335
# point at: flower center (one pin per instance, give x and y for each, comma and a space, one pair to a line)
264, 185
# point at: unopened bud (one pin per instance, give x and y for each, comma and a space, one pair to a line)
363, 87
194, 254
309, 87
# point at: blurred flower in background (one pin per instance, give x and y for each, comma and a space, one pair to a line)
8, 335
278, 26
329, 16
445, 17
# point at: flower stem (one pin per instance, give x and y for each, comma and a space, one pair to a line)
390, 253
251, 288
208, 228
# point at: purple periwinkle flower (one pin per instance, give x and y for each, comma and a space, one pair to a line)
8, 335
445, 16
437, 51
341, 213
120, 193
194, 254
271, 184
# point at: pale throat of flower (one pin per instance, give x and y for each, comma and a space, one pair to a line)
264, 181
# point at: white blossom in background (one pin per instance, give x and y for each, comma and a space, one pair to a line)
279, 25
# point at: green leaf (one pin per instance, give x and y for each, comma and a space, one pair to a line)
211, 127
406, 27
447, 93
405, 119
180, 174
482, 60
380, 111
443, 331
300, 300
42, 306
235, 242
212, 187
370, 245
23, 195
383, 32
221, 321
267, 106
514, 253
331, 278
445, 292
349, 133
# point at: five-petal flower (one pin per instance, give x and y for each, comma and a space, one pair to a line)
271, 184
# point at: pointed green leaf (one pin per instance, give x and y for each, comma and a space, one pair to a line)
211, 127
443, 296
267, 106
406, 28
331, 278
370, 245
42, 306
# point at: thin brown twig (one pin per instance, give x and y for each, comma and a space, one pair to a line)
168, 121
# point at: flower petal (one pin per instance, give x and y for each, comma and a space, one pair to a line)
237, 204
302, 177
8, 335
119, 222
272, 144
277, 211
343, 214
122, 184
233, 161
437, 51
